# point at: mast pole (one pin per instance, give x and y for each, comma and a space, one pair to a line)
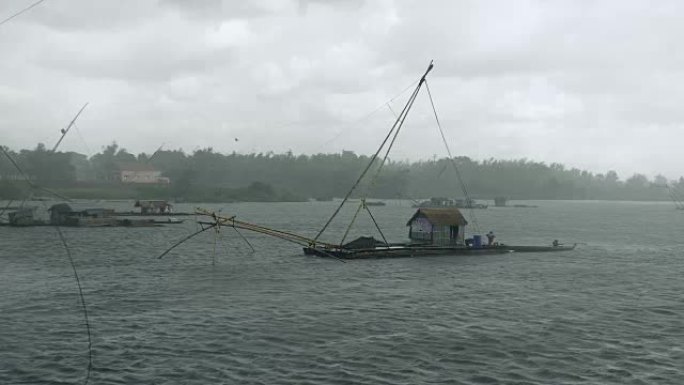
66, 130
397, 123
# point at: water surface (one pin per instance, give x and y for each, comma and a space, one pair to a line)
611, 312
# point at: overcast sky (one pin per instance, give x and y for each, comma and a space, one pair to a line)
597, 85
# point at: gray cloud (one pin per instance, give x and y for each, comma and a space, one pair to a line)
594, 85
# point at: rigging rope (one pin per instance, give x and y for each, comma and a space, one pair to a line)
396, 126
356, 214
244, 239
9, 203
675, 196
453, 162
376, 224
20, 12
29, 181
368, 115
373, 180
185, 239
71, 262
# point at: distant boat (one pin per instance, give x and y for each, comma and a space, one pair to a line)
375, 203
501, 202
453, 203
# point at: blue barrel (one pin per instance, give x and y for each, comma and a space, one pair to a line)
477, 241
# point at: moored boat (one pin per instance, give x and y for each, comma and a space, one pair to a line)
432, 231
437, 202
438, 229
412, 250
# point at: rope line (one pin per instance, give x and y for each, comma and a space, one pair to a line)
354, 122
22, 11
453, 162
29, 181
6, 207
71, 262
376, 224
396, 126
244, 239
356, 214
83, 303
183, 240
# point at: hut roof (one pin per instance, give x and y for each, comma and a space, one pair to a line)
448, 216
60, 208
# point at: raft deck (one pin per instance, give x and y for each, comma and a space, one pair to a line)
425, 251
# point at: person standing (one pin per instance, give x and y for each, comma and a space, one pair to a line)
490, 238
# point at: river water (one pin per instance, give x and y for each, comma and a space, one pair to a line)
610, 312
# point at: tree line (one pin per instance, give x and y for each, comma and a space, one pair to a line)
207, 175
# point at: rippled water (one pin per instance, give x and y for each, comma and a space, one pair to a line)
611, 312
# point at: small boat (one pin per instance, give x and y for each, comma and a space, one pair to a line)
154, 207
23, 217
501, 202
375, 203
168, 221
436, 202
62, 214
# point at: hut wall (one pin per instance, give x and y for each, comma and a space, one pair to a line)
460, 238
420, 230
442, 235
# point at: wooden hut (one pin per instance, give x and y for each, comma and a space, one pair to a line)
500, 201
24, 216
439, 226
61, 214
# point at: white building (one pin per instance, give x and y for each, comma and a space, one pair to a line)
140, 173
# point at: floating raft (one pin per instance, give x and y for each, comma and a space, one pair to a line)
369, 247
433, 231
403, 251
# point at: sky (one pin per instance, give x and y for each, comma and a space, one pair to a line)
596, 85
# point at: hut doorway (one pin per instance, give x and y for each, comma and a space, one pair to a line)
453, 233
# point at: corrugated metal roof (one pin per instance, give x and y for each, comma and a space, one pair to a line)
440, 216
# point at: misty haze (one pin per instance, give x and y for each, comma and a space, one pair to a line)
328, 192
